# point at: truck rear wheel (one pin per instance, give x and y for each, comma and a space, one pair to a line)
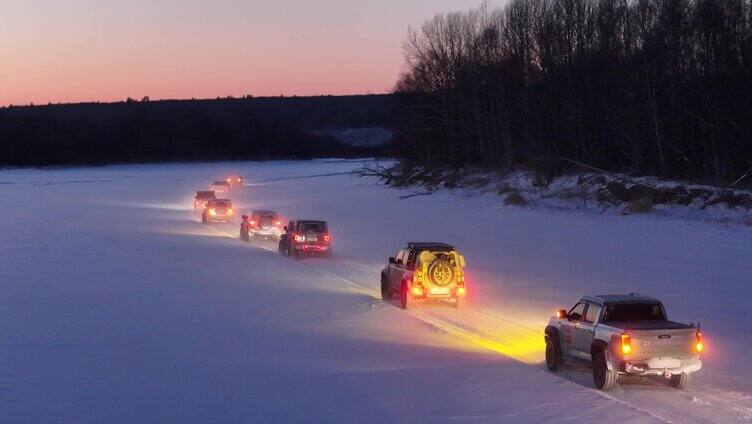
603, 378
554, 358
680, 381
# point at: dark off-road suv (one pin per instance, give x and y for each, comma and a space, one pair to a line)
303, 238
423, 271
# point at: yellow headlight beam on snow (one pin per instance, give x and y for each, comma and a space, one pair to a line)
508, 338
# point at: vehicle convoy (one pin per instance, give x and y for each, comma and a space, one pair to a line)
425, 271
199, 202
220, 187
217, 210
620, 335
261, 224
305, 238
234, 180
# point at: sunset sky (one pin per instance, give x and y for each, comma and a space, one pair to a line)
83, 50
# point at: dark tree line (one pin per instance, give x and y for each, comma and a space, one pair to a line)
656, 87
201, 130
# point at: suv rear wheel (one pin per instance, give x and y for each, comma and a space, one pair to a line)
385, 293
406, 298
459, 302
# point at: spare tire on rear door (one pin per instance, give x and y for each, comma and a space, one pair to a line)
441, 271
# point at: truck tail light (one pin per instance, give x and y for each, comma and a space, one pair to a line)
626, 344
327, 238
252, 222
230, 211
299, 238
699, 346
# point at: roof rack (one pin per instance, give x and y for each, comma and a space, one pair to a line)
421, 245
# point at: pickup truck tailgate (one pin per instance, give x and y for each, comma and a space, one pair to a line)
673, 343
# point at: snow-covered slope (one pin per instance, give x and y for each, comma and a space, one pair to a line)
116, 305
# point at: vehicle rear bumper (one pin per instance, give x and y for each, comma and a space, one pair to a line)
661, 366
438, 293
272, 232
220, 218
313, 248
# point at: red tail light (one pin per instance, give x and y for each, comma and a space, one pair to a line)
278, 223
327, 238
626, 344
299, 238
252, 222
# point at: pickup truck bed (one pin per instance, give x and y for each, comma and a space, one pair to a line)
648, 325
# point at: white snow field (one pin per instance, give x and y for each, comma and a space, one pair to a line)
118, 306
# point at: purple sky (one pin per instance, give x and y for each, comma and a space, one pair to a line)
80, 50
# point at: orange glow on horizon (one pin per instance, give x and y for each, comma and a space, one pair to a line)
87, 50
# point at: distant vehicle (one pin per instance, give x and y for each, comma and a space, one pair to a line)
622, 335
217, 210
305, 238
199, 202
261, 224
220, 187
424, 271
235, 180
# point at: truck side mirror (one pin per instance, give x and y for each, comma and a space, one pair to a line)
391, 260
561, 313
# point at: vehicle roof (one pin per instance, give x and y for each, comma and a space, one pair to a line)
211, 192
220, 182
220, 200
308, 220
424, 245
263, 211
621, 298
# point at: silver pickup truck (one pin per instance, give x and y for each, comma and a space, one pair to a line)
623, 335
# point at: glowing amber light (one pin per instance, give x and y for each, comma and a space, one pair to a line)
417, 290
699, 346
460, 290
626, 346
560, 314
212, 212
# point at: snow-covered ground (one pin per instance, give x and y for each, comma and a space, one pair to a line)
117, 305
